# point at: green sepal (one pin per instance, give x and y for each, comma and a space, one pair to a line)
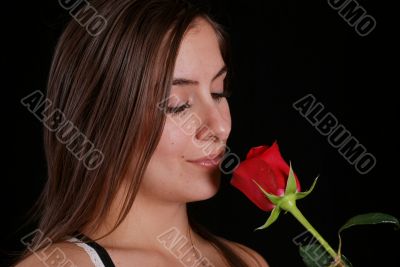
301, 195
291, 187
274, 199
271, 219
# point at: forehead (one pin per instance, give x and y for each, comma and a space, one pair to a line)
199, 53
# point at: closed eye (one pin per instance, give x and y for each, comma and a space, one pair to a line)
178, 109
218, 96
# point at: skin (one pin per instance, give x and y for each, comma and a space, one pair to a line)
170, 181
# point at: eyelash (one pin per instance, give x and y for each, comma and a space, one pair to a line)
176, 110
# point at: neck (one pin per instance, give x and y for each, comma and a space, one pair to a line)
146, 224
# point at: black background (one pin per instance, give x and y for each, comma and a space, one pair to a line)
282, 51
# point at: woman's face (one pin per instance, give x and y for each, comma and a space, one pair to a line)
200, 127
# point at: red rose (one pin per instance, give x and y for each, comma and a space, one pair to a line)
266, 166
270, 183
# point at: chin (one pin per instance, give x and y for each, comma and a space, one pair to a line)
205, 190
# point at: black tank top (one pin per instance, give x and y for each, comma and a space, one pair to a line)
104, 256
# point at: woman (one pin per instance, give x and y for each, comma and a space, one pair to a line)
148, 94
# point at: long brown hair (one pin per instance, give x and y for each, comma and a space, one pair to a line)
107, 85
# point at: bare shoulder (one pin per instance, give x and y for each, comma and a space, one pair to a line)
63, 253
252, 257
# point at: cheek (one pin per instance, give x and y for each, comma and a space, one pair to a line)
173, 141
166, 172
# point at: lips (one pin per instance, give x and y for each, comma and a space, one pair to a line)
210, 160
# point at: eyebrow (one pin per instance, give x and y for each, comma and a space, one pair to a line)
183, 82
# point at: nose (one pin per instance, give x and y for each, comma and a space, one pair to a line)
215, 124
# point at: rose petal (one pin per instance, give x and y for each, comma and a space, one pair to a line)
256, 151
266, 166
266, 177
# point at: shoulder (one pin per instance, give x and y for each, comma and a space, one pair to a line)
63, 253
252, 257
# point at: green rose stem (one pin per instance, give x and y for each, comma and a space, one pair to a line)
287, 202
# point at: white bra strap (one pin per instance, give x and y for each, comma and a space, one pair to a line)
94, 257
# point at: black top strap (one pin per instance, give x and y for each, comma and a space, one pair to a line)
104, 256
